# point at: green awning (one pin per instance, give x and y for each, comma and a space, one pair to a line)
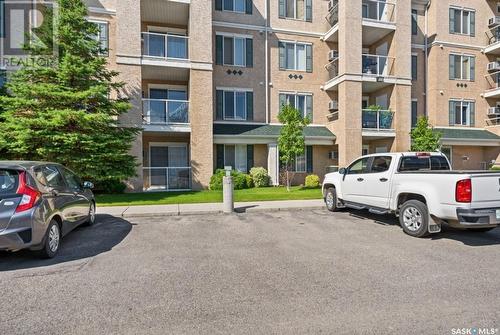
472, 134
249, 130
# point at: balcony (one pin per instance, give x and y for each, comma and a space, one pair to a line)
493, 85
165, 46
167, 178
166, 115
379, 20
377, 123
493, 41
332, 19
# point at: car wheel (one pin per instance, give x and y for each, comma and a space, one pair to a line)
481, 230
331, 200
52, 241
91, 218
414, 218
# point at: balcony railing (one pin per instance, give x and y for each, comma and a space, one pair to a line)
165, 46
333, 13
377, 119
333, 68
493, 36
378, 10
167, 178
161, 112
377, 65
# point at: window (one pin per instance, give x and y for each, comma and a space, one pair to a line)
72, 180
358, 166
462, 67
234, 105
415, 163
301, 101
102, 37
295, 56
381, 164
50, 176
462, 21
414, 113
414, 67
236, 157
414, 26
9, 181
300, 163
296, 9
237, 6
447, 151
462, 113
234, 51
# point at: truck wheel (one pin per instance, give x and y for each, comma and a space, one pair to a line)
481, 230
331, 200
414, 218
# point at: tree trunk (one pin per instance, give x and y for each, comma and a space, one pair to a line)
287, 180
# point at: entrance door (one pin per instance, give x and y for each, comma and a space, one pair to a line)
158, 166
382, 50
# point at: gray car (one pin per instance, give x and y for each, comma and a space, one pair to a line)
39, 204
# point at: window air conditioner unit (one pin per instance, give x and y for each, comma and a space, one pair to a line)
494, 21
494, 111
333, 106
333, 155
332, 54
493, 66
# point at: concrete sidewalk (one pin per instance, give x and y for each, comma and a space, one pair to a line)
210, 208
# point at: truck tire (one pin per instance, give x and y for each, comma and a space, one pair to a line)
331, 200
414, 218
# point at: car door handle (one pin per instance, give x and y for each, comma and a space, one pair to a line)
383, 180
360, 179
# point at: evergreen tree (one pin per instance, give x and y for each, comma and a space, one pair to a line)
66, 112
291, 141
423, 137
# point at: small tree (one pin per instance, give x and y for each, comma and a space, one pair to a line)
66, 112
291, 141
423, 137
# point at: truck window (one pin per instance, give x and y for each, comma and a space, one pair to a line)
358, 166
414, 163
381, 164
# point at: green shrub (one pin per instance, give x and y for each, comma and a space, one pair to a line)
240, 180
260, 177
312, 181
249, 181
109, 186
495, 168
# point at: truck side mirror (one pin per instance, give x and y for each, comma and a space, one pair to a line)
343, 171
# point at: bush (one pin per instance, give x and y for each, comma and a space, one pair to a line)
259, 176
109, 186
495, 168
312, 181
240, 180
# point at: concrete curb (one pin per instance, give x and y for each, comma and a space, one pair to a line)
211, 208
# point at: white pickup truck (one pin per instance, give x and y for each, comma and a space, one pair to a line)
419, 188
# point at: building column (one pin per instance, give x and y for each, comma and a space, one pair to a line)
273, 163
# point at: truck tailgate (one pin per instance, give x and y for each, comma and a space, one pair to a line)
486, 188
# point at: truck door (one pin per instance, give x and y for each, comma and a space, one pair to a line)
353, 182
378, 182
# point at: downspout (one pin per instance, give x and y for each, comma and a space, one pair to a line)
266, 55
426, 50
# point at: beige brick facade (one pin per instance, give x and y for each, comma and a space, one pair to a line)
372, 65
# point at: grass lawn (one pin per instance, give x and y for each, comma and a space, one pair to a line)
168, 198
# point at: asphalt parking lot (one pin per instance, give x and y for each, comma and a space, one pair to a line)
295, 272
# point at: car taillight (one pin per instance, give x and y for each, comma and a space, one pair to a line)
29, 194
463, 191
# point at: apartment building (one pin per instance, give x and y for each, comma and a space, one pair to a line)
207, 78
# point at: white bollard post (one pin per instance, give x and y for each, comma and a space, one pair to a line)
228, 191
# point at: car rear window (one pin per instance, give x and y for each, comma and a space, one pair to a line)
414, 163
9, 181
